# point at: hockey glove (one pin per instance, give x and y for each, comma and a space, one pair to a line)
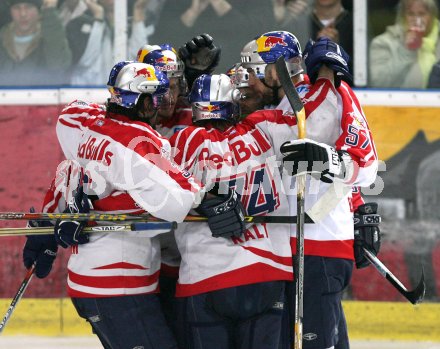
68, 233
40, 250
225, 215
325, 51
318, 159
200, 56
366, 233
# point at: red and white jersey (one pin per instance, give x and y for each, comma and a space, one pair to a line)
245, 157
334, 117
181, 118
131, 172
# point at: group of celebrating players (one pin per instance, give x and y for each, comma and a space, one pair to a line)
175, 139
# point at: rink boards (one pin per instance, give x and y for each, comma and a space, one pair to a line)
398, 321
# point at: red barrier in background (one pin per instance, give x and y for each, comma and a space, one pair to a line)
29, 155
368, 284
436, 266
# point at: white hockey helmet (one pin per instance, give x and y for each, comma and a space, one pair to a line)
251, 59
129, 80
214, 97
163, 57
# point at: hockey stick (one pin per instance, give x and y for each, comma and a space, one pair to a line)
298, 110
415, 296
17, 297
139, 226
96, 217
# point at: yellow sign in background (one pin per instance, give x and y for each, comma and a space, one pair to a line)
395, 127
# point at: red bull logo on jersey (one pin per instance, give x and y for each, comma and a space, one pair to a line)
241, 151
92, 150
265, 43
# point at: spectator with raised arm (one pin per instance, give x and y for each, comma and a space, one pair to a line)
91, 40
71, 9
404, 55
294, 16
330, 19
33, 47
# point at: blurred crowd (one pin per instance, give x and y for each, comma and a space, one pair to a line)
70, 42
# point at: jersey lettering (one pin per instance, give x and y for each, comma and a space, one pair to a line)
257, 191
89, 150
353, 136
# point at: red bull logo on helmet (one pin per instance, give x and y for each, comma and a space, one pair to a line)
164, 60
265, 43
148, 72
208, 108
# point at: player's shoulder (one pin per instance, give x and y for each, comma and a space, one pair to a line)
189, 133
79, 106
263, 115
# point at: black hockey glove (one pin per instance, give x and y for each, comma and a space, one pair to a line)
366, 233
318, 159
325, 51
200, 56
225, 215
40, 249
68, 233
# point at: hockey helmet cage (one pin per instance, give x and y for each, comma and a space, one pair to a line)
129, 80
214, 97
239, 75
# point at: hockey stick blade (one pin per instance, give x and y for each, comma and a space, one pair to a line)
415, 296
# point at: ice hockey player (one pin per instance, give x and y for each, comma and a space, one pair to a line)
112, 278
230, 292
337, 130
175, 114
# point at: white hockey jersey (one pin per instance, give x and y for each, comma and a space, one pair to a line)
181, 118
131, 172
334, 117
245, 157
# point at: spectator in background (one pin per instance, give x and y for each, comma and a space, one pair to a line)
434, 77
34, 50
230, 22
294, 16
71, 9
404, 55
91, 40
316, 19
4, 14
330, 19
